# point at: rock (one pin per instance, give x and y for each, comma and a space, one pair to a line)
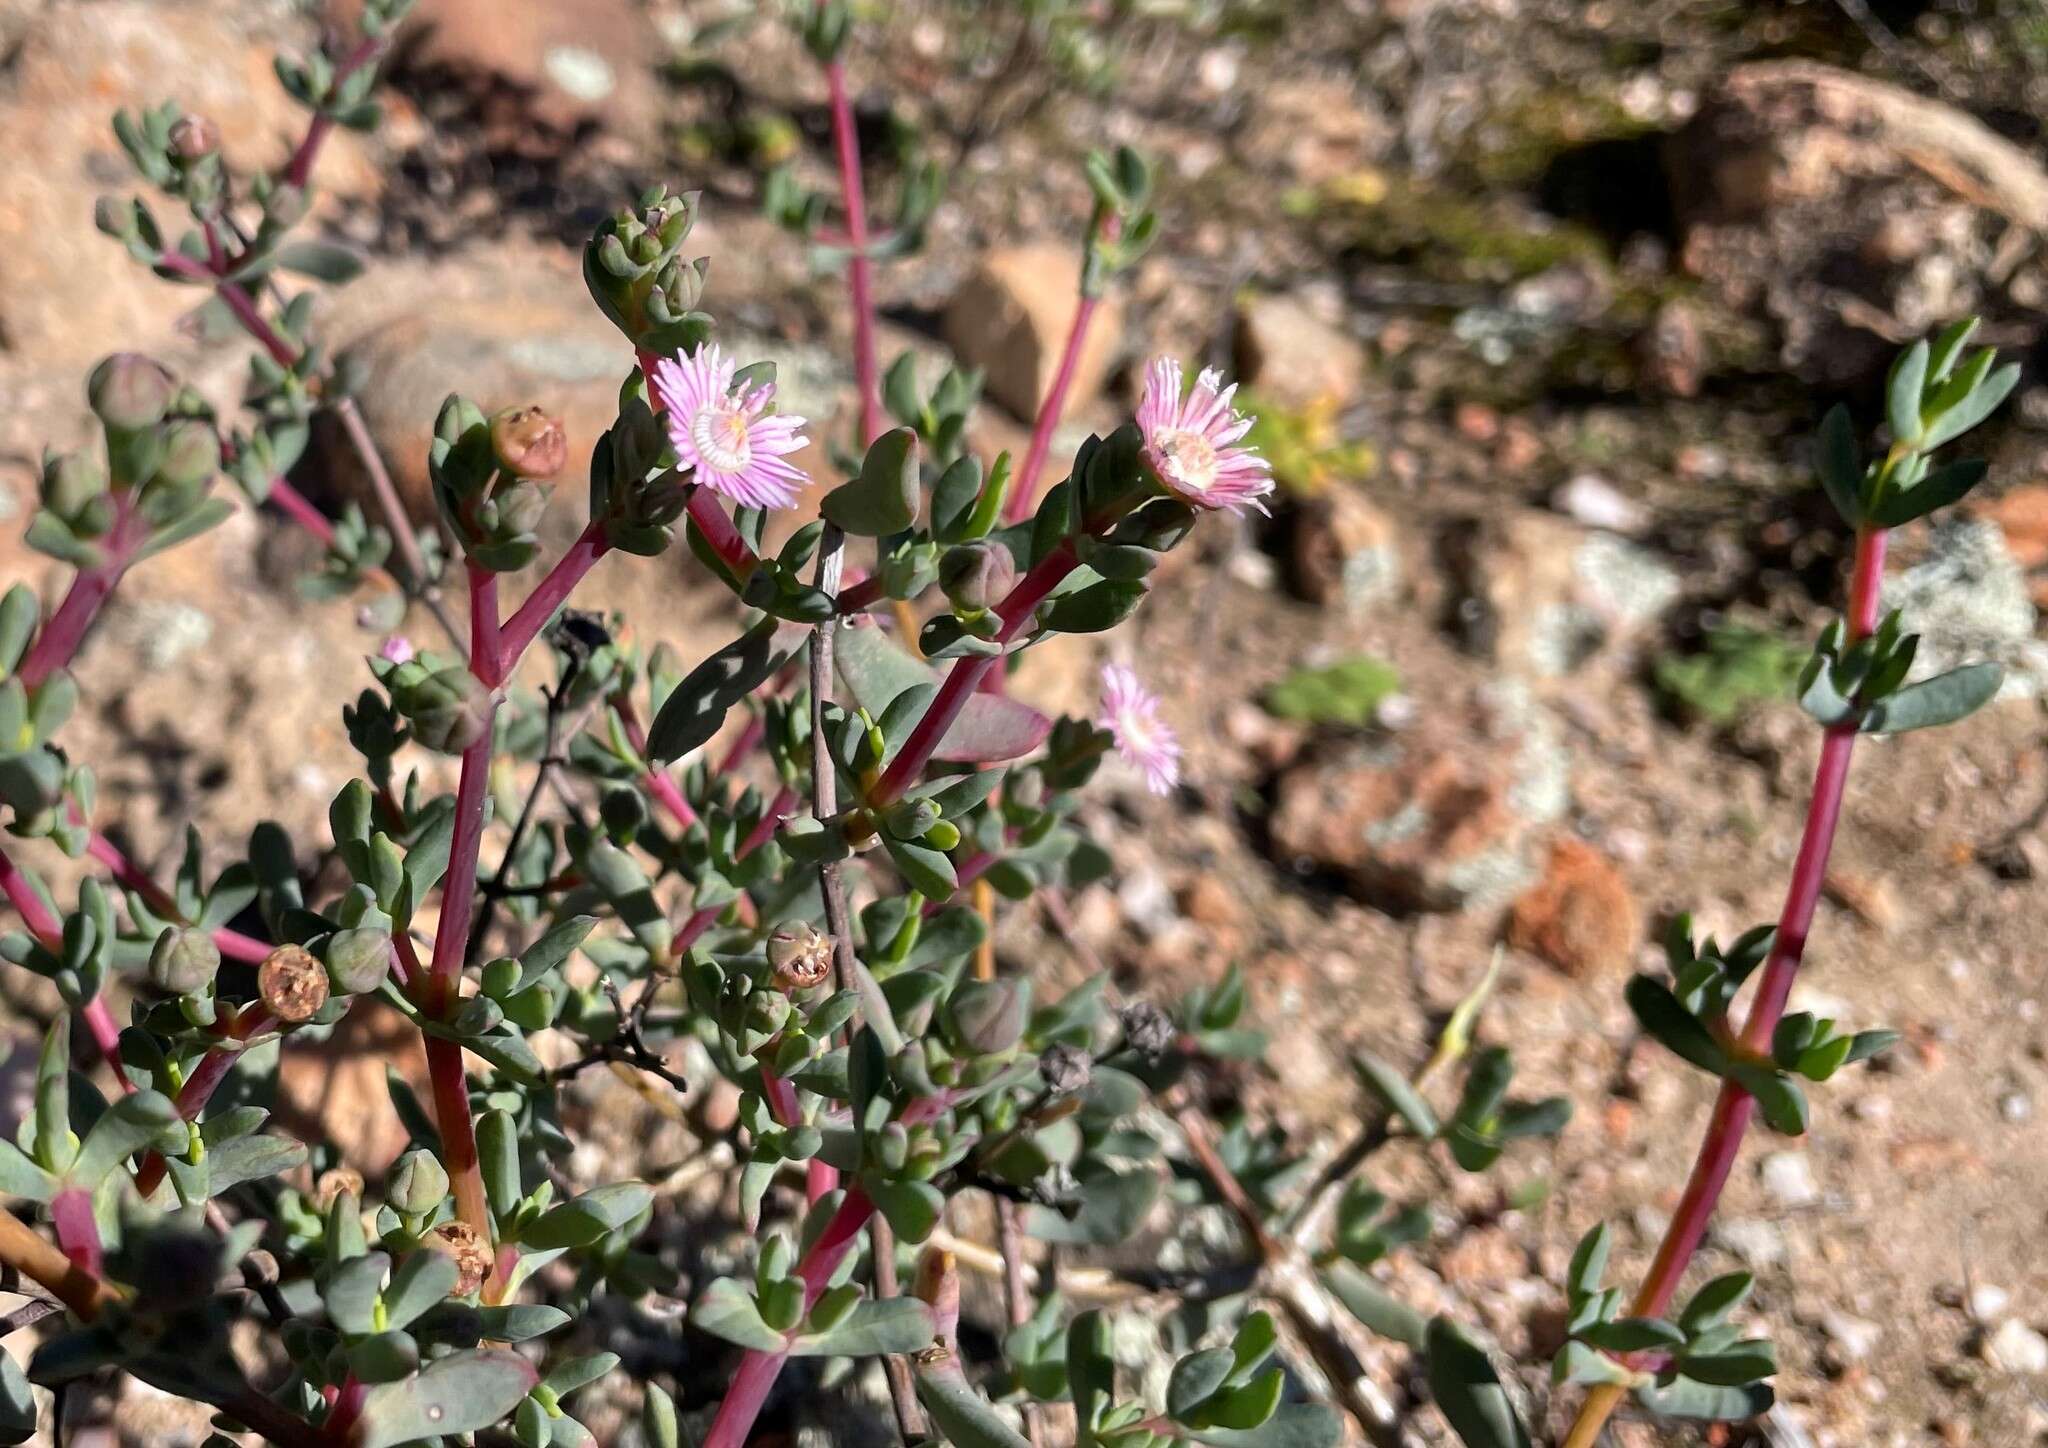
1317, 128
1581, 916
539, 73
68, 294
1788, 1179
1850, 214
1671, 352
2017, 1348
1542, 596
337, 1093
2022, 518
1590, 499
1444, 818
1754, 1241
1012, 315
504, 335
1294, 358
1987, 1303
1967, 599
1343, 550
1852, 1338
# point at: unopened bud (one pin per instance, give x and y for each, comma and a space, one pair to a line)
1147, 1029
468, 1249
193, 138
988, 1016
285, 207
977, 575
1066, 1068
529, 442
800, 955
397, 649
191, 453
183, 960
624, 812
292, 984
342, 1181
358, 960
130, 392
70, 482
520, 508
417, 1184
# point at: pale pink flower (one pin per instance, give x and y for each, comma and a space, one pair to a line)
732, 443
397, 650
1130, 713
1191, 441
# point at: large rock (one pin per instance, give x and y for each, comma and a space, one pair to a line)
1853, 214
539, 73
1343, 550
1295, 358
1011, 318
68, 295
1967, 598
1440, 818
1581, 916
1542, 596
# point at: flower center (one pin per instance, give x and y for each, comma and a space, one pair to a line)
719, 433
1189, 457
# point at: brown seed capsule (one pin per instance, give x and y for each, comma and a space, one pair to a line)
292, 983
529, 443
194, 138
470, 1252
338, 1182
800, 956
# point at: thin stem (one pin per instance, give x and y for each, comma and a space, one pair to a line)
396, 519
199, 1087
58, 640
27, 1253
1024, 492
232, 943
1016, 1291
299, 170
345, 1410
458, 1133
758, 1370
719, 532
294, 505
43, 923
548, 596
703, 919
859, 268
967, 674
1734, 1106
663, 788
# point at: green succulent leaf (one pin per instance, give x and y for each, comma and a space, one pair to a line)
461, 1393
1469, 1392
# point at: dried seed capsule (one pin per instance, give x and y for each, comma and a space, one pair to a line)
1065, 1068
193, 138
183, 960
292, 983
341, 1181
528, 442
1147, 1029
470, 1252
800, 955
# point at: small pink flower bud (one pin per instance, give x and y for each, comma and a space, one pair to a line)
194, 138
397, 650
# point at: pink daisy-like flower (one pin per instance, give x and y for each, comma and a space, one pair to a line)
1130, 713
397, 649
734, 446
1191, 441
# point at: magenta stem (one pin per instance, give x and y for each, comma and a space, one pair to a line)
47, 928
1024, 494
231, 943
967, 674
346, 1408
205, 1079
758, 1370
57, 642
859, 268
702, 920
548, 596
1734, 1106
299, 170
294, 505
458, 1133
820, 1177
659, 784
77, 1233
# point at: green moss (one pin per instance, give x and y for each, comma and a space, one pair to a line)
1515, 144
1736, 667
1344, 693
1303, 446
1449, 237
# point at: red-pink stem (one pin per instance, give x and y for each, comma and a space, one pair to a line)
758, 1370
57, 642
763, 831
458, 1133
1024, 492
659, 784
232, 943
859, 267
47, 928
820, 1176
1734, 1106
749, 739
78, 1235
346, 1408
238, 302
548, 596
293, 503
205, 1079
299, 170
967, 673
860, 597
719, 532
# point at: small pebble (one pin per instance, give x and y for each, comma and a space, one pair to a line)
1789, 1179
1854, 1337
1988, 1303
2015, 1106
1592, 500
2018, 1348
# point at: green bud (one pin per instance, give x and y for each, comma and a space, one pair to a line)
520, 508
70, 482
183, 961
977, 575
988, 1016
909, 819
624, 812
501, 978
358, 960
191, 453
417, 1184
130, 392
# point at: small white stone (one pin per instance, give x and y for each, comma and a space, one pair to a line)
2015, 1106
1988, 1303
1753, 1240
1789, 1179
2018, 1348
1854, 1337
1592, 500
